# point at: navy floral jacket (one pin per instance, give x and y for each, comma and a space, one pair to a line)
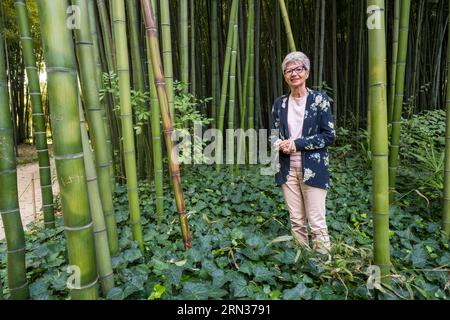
318, 133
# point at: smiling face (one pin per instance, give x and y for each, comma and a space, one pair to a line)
295, 75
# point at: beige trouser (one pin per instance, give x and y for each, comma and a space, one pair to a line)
306, 204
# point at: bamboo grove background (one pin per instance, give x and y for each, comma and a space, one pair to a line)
341, 62
227, 51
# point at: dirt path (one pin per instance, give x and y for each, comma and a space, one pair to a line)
24, 185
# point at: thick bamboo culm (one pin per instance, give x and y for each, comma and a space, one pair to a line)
379, 145
9, 199
63, 98
40, 131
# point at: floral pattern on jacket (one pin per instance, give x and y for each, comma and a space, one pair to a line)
318, 133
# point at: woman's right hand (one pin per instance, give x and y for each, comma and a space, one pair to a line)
287, 146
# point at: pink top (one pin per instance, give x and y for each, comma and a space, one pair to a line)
296, 114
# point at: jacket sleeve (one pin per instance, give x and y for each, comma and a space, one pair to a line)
275, 132
326, 135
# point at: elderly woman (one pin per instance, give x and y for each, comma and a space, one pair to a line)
305, 127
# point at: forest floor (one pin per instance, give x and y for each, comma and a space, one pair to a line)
28, 167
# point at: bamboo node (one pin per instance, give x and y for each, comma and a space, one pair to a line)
5, 172
17, 250
72, 156
61, 69
99, 231
380, 154
103, 165
19, 288
175, 174
106, 276
87, 43
70, 229
90, 285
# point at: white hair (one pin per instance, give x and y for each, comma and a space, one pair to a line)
296, 56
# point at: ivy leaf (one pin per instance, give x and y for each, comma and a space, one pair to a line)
419, 256
115, 293
246, 267
299, 292
195, 291
173, 274
158, 291
195, 255
262, 274
255, 242
216, 292
132, 255
39, 290
240, 288
218, 278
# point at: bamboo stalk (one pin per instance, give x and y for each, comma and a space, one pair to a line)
105, 114
94, 110
150, 27
138, 80
251, 85
40, 131
193, 47
184, 40
167, 54
446, 207
102, 251
379, 145
322, 42
287, 25
156, 135
395, 31
225, 78
105, 27
215, 93
399, 94
120, 36
63, 97
231, 105
9, 200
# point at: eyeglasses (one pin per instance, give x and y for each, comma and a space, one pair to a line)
296, 70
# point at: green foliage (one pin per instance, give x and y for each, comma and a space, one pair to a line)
242, 248
188, 110
139, 100
422, 158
